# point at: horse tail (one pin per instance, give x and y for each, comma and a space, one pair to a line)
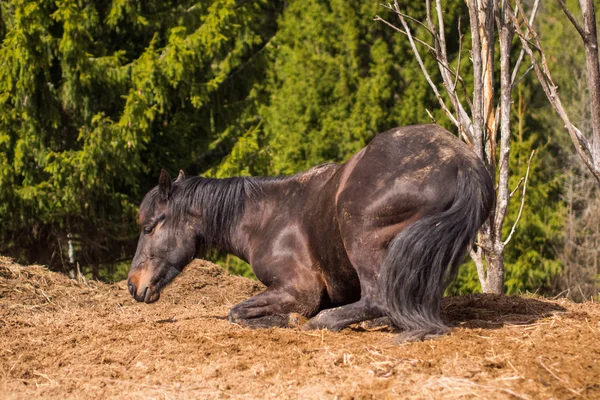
423, 258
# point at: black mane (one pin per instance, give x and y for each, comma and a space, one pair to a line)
218, 202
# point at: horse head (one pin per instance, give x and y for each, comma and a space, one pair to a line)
167, 242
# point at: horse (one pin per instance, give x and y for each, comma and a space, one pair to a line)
379, 236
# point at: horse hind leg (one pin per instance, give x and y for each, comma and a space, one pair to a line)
370, 305
416, 327
336, 319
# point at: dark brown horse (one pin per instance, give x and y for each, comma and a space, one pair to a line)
377, 236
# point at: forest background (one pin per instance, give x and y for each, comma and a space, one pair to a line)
97, 96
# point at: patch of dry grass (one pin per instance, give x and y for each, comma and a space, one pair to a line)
60, 338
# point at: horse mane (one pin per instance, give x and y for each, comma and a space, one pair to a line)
220, 204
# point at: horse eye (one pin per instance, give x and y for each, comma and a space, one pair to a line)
148, 229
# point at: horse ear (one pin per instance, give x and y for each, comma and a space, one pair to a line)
180, 177
164, 185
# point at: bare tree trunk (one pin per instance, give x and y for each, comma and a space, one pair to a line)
478, 96
496, 262
495, 273
486, 35
590, 39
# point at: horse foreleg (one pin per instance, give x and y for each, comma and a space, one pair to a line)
335, 319
275, 307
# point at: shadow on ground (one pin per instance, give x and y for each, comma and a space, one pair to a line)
484, 311
487, 311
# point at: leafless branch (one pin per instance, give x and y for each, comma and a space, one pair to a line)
458, 63
514, 227
477, 75
522, 76
573, 20
516, 187
427, 45
460, 39
444, 67
465, 124
416, 21
428, 11
522, 52
441, 30
430, 116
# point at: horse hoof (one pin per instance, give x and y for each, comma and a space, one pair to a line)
378, 324
310, 326
296, 320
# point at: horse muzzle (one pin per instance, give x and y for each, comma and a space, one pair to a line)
140, 287
146, 294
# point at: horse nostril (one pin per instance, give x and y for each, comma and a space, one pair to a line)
131, 288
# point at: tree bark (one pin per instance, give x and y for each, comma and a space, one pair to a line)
476, 109
593, 72
495, 272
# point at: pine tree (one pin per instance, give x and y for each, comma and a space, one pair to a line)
96, 97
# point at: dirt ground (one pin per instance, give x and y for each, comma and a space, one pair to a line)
60, 338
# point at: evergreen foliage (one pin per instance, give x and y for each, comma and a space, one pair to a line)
96, 97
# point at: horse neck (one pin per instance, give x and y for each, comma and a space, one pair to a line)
219, 205
268, 199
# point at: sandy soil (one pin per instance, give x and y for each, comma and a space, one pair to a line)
60, 338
